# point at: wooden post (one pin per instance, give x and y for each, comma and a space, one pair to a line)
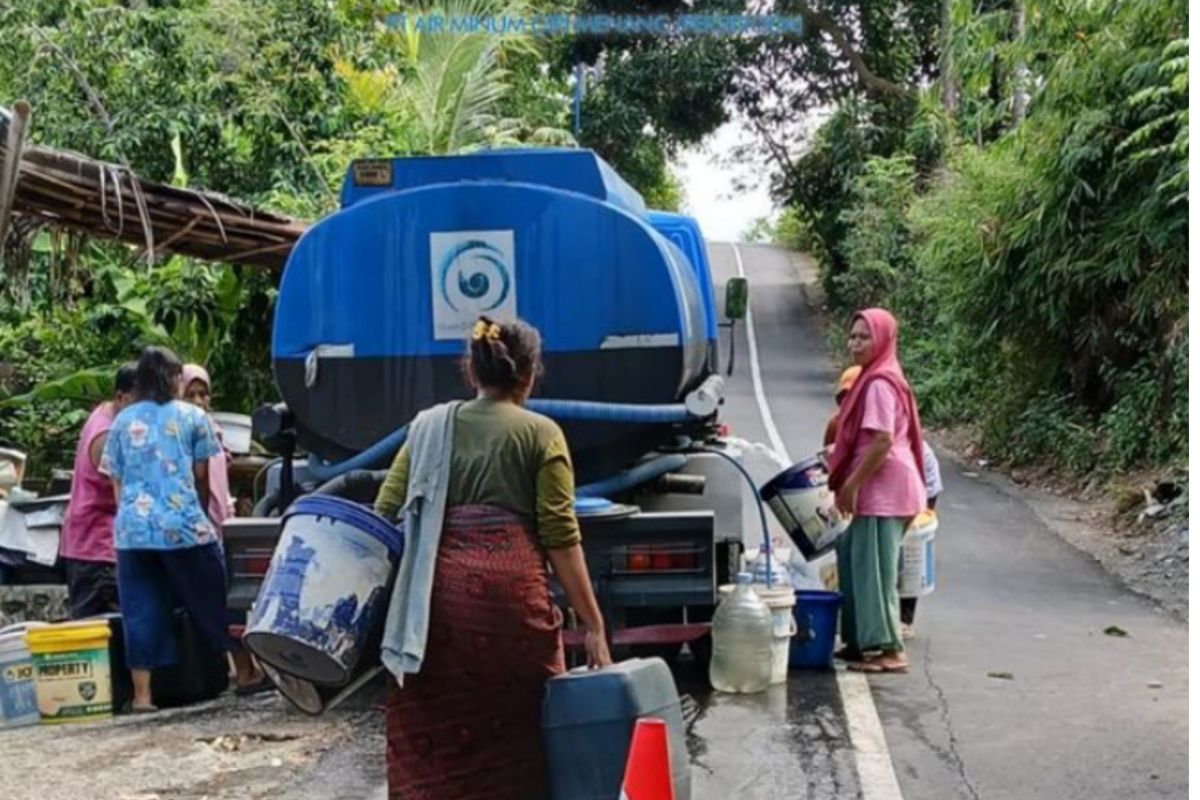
10, 167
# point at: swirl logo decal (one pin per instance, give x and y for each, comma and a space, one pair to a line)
471, 274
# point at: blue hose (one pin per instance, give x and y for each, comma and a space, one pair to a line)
610, 412
642, 473
762, 514
374, 457
378, 454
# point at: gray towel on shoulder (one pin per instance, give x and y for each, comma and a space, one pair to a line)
430, 441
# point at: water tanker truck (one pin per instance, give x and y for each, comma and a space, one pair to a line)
377, 299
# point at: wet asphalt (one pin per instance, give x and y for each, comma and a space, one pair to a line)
1014, 692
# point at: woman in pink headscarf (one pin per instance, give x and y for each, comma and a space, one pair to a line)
876, 472
197, 390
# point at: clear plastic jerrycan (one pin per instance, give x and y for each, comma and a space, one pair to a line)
742, 638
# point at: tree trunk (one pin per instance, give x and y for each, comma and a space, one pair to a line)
1021, 73
949, 87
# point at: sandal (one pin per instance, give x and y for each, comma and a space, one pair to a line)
906, 631
144, 709
870, 665
893, 663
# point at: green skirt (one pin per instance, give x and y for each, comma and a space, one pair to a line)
868, 560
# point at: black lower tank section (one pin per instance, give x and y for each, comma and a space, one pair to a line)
355, 402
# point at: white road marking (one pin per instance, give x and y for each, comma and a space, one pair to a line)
876, 775
760, 394
872, 759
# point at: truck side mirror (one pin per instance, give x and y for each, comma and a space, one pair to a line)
737, 296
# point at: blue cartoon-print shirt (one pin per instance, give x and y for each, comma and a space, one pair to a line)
151, 451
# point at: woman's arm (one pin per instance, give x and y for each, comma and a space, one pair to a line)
558, 532
572, 573
876, 454
203, 491
394, 491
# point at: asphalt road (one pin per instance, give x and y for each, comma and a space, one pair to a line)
1067, 712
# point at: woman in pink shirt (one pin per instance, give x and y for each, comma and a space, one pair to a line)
876, 471
86, 547
197, 390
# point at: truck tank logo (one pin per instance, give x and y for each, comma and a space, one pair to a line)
472, 274
481, 275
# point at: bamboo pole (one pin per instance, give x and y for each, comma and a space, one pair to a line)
10, 168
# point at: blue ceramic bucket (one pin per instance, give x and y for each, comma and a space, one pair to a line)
320, 612
800, 499
816, 616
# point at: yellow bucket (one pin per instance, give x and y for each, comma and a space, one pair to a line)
71, 670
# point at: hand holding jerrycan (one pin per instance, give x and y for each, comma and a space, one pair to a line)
742, 638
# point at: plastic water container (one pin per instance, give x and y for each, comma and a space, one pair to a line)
18, 690
780, 599
70, 664
800, 499
742, 639
587, 724
918, 574
320, 612
816, 616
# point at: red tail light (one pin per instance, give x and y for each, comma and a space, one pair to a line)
656, 558
258, 565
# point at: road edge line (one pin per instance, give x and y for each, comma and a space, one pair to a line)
872, 758
760, 395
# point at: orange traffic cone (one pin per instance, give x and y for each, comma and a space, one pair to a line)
648, 771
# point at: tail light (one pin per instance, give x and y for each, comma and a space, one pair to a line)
253, 563
652, 558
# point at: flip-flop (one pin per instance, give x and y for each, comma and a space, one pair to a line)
864, 666
896, 668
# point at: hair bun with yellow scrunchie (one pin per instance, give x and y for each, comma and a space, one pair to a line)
485, 328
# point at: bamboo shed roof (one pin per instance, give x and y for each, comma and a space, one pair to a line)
98, 198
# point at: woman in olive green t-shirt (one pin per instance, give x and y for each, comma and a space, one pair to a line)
468, 725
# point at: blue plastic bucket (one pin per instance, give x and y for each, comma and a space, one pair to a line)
320, 612
18, 689
800, 499
816, 616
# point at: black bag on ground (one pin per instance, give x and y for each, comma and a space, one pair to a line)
200, 674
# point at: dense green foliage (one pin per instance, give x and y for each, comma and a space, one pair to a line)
1038, 265
265, 101
1013, 185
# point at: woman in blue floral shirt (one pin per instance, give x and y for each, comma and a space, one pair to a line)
168, 553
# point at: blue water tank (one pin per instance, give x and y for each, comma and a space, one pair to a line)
377, 299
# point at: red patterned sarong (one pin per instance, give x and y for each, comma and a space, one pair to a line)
469, 724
